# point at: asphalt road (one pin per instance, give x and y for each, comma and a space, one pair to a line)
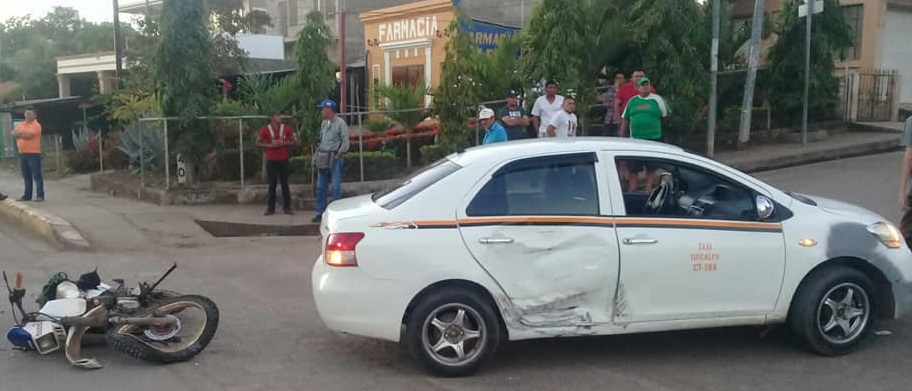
270, 337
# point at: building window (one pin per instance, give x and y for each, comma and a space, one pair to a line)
410, 74
854, 17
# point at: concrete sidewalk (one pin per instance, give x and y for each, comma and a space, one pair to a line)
119, 224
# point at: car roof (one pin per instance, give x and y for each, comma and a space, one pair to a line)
521, 148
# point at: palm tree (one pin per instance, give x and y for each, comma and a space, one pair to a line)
406, 105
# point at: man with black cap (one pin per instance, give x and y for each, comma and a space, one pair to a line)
276, 137
328, 157
514, 117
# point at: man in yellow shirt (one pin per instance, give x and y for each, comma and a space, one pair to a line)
28, 141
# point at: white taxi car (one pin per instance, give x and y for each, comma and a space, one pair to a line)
543, 238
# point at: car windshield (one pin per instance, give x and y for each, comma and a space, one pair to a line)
414, 184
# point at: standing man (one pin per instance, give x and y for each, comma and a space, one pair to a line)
328, 157
564, 123
494, 133
625, 93
28, 141
545, 107
643, 116
276, 137
905, 193
612, 111
514, 117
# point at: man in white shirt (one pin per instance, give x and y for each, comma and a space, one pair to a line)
545, 107
564, 123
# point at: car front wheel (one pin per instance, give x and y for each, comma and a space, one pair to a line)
453, 331
834, 311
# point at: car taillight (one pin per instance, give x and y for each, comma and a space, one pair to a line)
340, 249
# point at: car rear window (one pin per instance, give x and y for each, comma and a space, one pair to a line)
415, 183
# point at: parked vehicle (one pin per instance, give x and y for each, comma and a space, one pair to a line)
143, 322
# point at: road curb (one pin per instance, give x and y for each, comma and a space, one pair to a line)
55, 230
787, 161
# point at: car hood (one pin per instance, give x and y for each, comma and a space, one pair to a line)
843, 208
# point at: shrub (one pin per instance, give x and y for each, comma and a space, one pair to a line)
82, 161
377, 166
229, 164
433, 153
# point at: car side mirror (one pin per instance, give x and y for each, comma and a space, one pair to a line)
765, 207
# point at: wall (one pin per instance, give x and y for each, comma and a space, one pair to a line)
407, 35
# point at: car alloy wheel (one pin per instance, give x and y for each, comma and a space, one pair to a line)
843, 313
453, 334
453, 331
833, 310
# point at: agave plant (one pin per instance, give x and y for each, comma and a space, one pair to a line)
144, 147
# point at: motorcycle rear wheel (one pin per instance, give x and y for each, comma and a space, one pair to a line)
133, 341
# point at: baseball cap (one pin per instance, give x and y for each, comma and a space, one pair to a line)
486, 113
328, 103
643, 80
512, 94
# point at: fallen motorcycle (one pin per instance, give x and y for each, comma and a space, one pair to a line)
143, 323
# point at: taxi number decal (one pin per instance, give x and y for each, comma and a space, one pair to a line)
705, 260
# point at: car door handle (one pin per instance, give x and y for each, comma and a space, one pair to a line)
640, 241
495, 240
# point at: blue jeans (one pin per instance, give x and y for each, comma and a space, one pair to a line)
31, 173
335, 172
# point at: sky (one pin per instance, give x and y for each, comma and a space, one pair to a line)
91, 10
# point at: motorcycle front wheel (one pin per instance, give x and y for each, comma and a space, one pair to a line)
197, 319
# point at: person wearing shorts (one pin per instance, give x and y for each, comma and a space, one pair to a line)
643, 115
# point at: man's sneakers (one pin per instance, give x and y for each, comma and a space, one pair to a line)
3, 196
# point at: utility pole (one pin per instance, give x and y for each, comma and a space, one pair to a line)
807, 69
714, 69
342, 76
118, 47
748, 104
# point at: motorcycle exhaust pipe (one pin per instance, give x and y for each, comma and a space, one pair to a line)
156, 322
103, 321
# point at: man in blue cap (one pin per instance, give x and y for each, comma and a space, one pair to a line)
328, 156
514, 117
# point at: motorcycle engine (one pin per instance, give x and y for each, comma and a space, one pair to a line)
127, 304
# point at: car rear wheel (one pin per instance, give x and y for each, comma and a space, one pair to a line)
834, 311
452, 332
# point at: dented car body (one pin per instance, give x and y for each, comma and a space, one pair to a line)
548, 238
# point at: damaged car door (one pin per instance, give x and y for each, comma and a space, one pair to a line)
536, 226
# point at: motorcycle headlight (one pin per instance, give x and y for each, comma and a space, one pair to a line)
887, 233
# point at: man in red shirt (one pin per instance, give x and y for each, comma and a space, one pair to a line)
627, 91
276, 137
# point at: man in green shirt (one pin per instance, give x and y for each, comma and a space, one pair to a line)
645, 113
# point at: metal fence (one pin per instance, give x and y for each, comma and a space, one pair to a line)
876, 90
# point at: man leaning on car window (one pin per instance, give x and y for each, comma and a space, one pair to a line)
905, 194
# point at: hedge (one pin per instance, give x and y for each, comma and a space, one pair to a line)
377, 166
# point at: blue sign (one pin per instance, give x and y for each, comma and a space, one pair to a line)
486, 35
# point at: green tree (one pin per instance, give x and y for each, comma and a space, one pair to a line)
184, 81
461, 86
30, 47
572, 42
672, 29
315, 75
830, 36
406, 106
